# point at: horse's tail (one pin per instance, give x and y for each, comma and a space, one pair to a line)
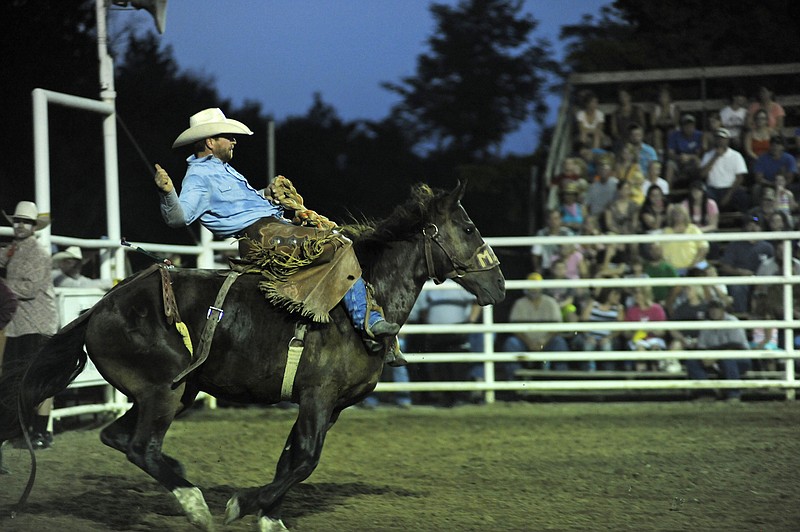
47, 372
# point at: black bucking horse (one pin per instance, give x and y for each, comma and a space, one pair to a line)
138, 352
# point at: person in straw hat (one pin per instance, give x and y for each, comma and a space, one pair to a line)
66, 272
214, 193
28, 274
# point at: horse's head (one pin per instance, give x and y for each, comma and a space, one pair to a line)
454, 249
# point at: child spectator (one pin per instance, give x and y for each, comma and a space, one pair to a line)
591, 121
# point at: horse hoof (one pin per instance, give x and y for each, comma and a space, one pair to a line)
232, 510
195, 507
267, 524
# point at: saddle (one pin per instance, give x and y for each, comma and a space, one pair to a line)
305, 269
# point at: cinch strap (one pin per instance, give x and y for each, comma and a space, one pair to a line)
296, 346
212, 319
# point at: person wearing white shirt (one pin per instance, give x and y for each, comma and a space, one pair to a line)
724, 170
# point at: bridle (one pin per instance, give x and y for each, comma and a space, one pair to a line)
482, 259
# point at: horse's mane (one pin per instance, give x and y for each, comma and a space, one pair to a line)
404, 223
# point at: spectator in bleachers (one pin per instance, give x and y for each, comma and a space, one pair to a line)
653, 214
784, 200
743, 257
628, 169
543, 255
577, 267
591, 159
766, 102
567, 297
622, 218
645, 310
596, 256
655, 266
687, 254
721, 339
690, 308
713, 123
626, 114
703, 211
603, 188
757, 138
665, 117
775, 162
590, 120
645, 153
654, 178
734, 117
536, 307
606, 307
685, 148
572, 171
767, 206
724, 170
573, 212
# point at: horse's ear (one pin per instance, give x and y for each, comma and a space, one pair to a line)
457, 193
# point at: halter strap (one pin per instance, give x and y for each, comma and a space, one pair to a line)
481, 260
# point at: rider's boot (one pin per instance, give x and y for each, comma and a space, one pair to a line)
375, 327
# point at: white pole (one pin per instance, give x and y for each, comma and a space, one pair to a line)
108, 95
41, 159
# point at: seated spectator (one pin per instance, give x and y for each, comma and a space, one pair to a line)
702, 210
636, 272
646, 154
576, 265
626, 114
665, 118
686, 254
645, 310
756, 140
766, 207
591, 158
742, 258
654, 178
653, 214
721, 339
605, 307
784, 200
685, 148
591, 121
572, 171
724, 170
595, 255
628, 170
567, 298
733, 117
773, 163
543, 255
536, 307
572, 211
766, 102
714, 123
603, 189
690, 307
67, 272
622, 218
655, 266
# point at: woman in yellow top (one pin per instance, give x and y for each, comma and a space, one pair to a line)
628, 169
686, 254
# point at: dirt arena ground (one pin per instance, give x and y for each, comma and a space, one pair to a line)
508, 466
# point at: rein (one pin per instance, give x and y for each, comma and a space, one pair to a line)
481, 260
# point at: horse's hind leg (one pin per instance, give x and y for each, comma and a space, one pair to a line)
299, 459
155, 413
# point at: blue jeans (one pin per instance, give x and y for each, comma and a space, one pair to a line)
556, 343
355, 302
730, 368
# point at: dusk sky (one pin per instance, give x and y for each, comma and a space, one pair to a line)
280, 52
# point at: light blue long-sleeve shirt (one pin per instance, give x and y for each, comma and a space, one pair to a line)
219, 196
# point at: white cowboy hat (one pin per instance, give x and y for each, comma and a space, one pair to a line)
27, 210
207, 123
72, 252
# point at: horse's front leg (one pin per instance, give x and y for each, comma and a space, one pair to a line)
300, 457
